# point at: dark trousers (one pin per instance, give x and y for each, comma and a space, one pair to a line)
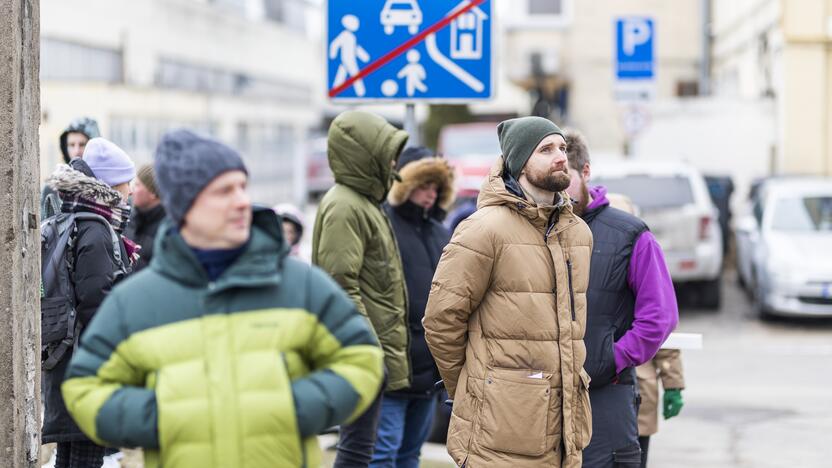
644, 441
81, 454
358, 439
614, 441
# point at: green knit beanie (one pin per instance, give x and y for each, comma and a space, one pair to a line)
519, 138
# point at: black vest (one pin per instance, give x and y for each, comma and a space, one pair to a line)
610, 302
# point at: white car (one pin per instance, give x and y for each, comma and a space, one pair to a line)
401, 13
784, 248
673, 200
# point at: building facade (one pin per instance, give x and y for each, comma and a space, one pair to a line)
236, 69
781, 50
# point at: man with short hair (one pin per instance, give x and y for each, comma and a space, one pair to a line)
225, 352
631, 311
506, 312
147, 215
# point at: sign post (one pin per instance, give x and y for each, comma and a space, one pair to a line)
635, 73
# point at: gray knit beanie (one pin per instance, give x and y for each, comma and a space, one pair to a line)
185, 163
519, 138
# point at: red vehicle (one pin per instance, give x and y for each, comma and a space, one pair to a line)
471, 149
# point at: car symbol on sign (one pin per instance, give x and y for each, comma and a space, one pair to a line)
401, 13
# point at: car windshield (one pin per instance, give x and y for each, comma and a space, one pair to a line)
650, 192
464, 143
803, 214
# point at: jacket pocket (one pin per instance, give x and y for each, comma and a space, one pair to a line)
627, 457
512, 418
459, 438
582, 413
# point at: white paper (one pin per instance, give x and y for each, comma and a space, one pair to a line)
683, 341
539, 375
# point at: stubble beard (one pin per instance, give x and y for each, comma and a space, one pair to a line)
580, 207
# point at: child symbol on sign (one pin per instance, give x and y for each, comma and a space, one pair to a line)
413, 73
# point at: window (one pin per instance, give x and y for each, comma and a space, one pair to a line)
203, 79
545, 7
62, 60
269, 152
809, 214
642, 189
687, 88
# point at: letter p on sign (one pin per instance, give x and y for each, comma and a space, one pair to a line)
635, 32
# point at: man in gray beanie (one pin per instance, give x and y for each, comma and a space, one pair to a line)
507, 309
225, 352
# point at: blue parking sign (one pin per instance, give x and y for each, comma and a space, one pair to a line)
634, 48
409, 50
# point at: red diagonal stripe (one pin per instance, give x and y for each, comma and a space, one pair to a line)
383, 60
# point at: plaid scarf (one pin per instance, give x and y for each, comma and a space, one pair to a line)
117, 216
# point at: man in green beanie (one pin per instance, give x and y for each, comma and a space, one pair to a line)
506, 313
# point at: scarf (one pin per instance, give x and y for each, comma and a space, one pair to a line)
117, 216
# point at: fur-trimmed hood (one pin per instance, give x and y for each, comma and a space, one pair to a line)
420, 172
68, 180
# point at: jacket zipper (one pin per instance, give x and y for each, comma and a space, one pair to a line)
571, 291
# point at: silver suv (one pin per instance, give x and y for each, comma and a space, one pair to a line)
673, 200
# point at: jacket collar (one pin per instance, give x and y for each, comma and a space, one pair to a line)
259, 265
151, 216
599, 203
495, 193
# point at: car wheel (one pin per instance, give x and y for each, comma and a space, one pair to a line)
710, 294
758, 306
413, 29
388, 29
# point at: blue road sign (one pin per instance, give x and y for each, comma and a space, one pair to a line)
634, 46
409, 50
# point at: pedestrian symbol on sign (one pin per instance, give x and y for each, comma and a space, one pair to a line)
346, 49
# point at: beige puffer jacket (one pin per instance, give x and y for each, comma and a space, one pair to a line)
667, 366
505, 322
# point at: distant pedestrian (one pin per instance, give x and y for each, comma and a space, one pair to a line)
293, 227
226, 352
631, 311
506, 312
147, 215
416, 206
353, 241
72, 142
96, 256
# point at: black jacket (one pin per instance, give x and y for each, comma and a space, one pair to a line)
94, 273
421, 239
142, 230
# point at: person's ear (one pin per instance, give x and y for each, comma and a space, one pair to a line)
586, 172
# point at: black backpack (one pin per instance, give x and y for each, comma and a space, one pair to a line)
60, 327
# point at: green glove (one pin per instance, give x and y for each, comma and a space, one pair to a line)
672, 402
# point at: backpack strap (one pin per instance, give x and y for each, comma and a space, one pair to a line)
114, 237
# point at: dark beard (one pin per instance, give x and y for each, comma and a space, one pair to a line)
556, 182
580, 207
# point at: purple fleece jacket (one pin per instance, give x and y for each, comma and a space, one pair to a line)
656, 312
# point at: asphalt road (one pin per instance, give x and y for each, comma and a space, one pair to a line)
758, 395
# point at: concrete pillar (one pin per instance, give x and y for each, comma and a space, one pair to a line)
19, 234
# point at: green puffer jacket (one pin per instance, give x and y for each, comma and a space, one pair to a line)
353, 240
244, 371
